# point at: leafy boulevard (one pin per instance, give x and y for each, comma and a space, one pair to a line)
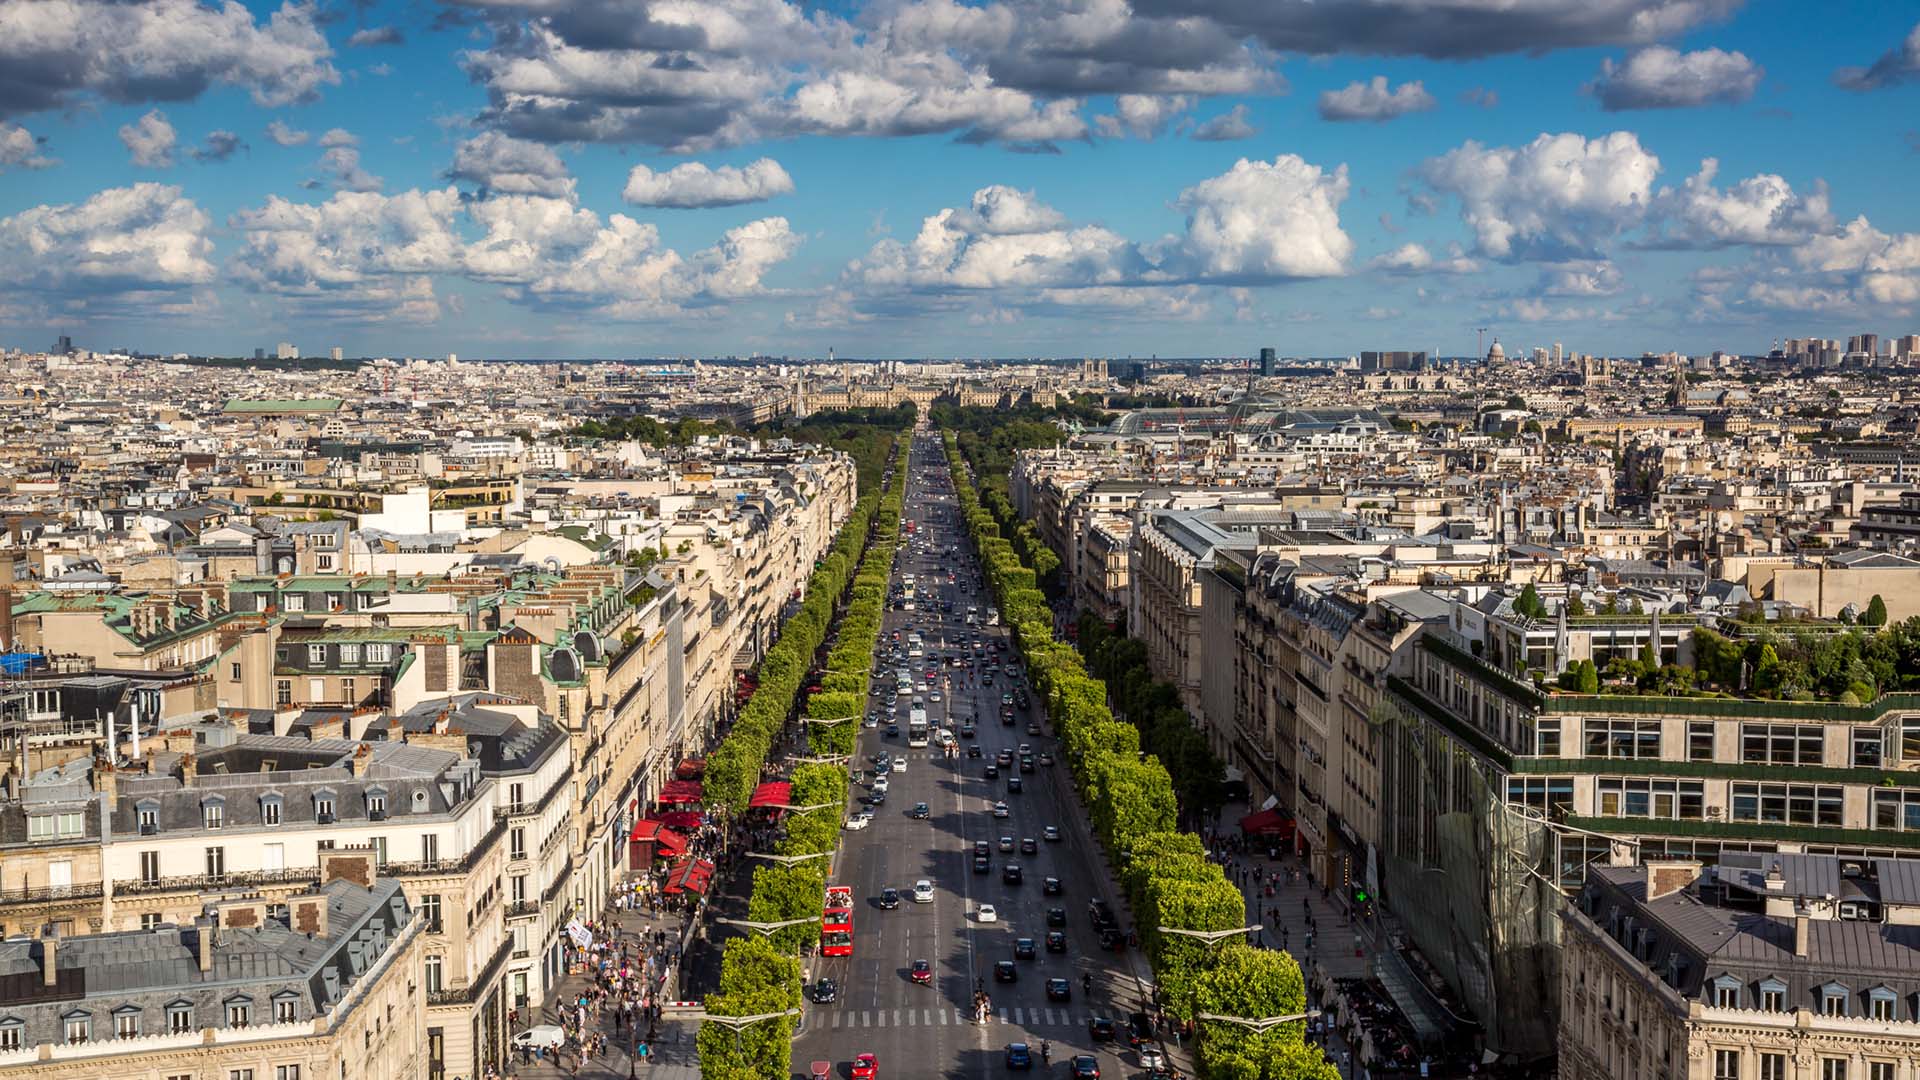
1132, 803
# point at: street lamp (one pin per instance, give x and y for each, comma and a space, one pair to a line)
828, 721
739, 1024
788, 860
797, 809
1263, 1024
830, 759
766, 929
1211, 937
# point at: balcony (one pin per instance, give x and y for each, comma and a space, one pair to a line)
300, 875
522, 909
476, 987
41, 894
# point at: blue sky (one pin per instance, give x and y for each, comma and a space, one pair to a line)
936, 177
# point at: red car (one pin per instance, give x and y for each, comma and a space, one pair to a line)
866, 1067
922, 973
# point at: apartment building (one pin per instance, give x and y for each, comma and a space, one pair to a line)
324, 985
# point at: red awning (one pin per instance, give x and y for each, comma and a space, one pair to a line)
681, 791
644, 831
1266, 821
690, 769
668, 842
691, 877
677, 819
772, 793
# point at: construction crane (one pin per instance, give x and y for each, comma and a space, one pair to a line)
1482, 331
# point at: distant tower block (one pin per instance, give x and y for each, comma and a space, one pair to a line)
1269, 360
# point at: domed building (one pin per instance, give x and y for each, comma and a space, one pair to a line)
1496, 354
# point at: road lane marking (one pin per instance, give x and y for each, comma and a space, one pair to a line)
1003, 1016
942, 1013
896, 1017
863, 1018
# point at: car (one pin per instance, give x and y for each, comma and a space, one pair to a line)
982, 865
1046, 758
872, 721
1033, 727
1006, 843
889, 898
986, 913
1026, 763
1056, 916
1050, 887
1018, 1056
880, 785
1013, 784
1000, 810
920, 812
1011, 874
1059, 990
1025, 750
1050, 833
973, 749
921, 972
1024, 949
825, 992
1111, 938
875, 798
1101, 913
923, 891
866, 1067
860, 820
900, 765
1084, 1067
1139, 1029
1101, 1029
893, 731
934, 697
966, 731
1057, 941
1005, 757
547, 1035
982, 848
1153, 1059
1027, 846
1005, 971
993, 771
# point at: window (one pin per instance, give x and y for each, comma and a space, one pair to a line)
236, 673
1773, 1067
294, 601
1773, 996
1869, 744
1623, 738
1833, 1000
149, 866
286, 1072
430, 910
179, 1017
379, 850
1700, 740
286, 1008
516, 843
349, 653
430, 847
323, 808
348, 692
149, 920
149, 820
216, 862
213, 814
1833, 1069
1881, 1004
239, 1011
1788, 804
1910, 739
1726, 1065
1879, 1070
78, 1026
126, 1023
1546, 737
283, 692
1781, 744
1896, 808
379, 653
1666, 800
316, 655
516, 798
246, 1074
435, 966
1726, 993
1551, 795
56, 826
270, 810
376, 807
10, 1034
517, 888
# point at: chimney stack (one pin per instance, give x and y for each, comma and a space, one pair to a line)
1801, 934
189, 769
49, 961
204, 927
6, 602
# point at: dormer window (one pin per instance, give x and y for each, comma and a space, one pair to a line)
376, 805
1726, 992
323, 807
149, 818
1773, 995
1834, 999
12, 1033
270, 809
126, 1022
316, 654
286, 1007
77, 1026
239, 1011
350, 653
1882, 1004
213, 813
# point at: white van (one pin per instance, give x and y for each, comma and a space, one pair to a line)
540, 1035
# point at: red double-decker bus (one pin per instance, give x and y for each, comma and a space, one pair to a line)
836, 924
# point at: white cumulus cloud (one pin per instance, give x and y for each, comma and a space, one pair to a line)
1229, 126
20, 149
1663, 78
1557, 197
283, 135
132, 239
1762, 209
1275, 220
150, 140
509, 166
1143, 116
694, 185
1373, 100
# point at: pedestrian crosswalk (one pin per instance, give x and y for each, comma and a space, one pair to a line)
941, 1017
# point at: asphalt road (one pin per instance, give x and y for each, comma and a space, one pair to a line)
922, 1031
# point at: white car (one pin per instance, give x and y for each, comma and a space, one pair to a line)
880, 786
900, 765
934, 697
923, 891
985, 913
860, 820
1000, 809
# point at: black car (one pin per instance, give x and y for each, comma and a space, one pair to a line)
875, 798
889, 898
1056, 916
1026, 763
1005, 971
1027, 846
1024, 949
1057, 941
1100, 1028
1101, 914
993, 771
920, 812
966, 731
1084, 1067
1019, 1057
1139, 1029
1013, 783
1010, 874
1006, 719
982, 849
973, 750
1059, 990
982, 865
1033, 727
893, 731
825, 992
1046, 758
1051, 886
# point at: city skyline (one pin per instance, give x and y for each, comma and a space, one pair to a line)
932, 178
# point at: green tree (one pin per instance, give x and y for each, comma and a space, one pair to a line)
1876, 615
1589, 677
1529, 603
1576, 607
